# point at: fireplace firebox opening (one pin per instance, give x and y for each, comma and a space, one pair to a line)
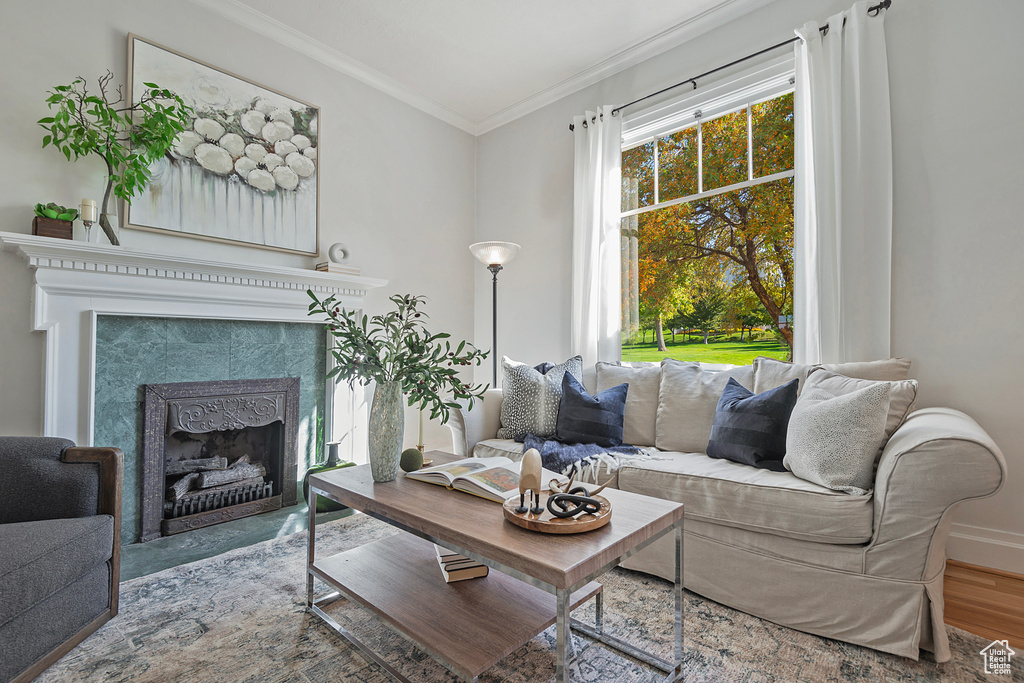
217, 451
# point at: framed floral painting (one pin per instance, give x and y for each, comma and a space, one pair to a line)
246, 171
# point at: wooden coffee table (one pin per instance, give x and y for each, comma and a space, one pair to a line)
470, 625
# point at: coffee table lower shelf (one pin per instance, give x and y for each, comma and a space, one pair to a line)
468, 625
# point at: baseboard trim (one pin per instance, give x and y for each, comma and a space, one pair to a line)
986, 547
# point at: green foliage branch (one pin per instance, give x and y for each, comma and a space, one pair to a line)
128, 137
397, 347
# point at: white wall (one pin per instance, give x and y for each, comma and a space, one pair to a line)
957, 286
396, 184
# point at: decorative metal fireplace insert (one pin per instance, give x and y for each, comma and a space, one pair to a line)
217, 451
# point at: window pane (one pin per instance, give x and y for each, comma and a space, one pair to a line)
638, 177
677, 165
773, 136
725, 150
713, 274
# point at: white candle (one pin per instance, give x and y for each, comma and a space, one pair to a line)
88, 211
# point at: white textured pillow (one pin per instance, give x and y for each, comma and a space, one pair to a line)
832, 440
529, 399
902, 395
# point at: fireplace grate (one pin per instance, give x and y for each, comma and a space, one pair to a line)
197, 501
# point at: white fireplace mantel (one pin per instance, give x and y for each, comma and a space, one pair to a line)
75, 282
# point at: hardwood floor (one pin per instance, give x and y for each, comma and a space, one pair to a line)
987, 602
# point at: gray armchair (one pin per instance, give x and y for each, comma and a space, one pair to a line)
60, 538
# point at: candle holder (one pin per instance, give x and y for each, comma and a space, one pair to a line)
88, 213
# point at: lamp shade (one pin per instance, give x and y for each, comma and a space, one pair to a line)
494, 253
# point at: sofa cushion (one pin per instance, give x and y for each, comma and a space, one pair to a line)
833, 440
770, 373
902, 396
735, 495
40, 558
641, 400
687, 398
529, 402
751, 428
596, 419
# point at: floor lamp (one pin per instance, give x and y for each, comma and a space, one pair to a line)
494, 255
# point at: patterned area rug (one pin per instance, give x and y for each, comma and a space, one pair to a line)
241, 617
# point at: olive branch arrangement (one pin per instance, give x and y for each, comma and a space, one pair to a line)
397, 347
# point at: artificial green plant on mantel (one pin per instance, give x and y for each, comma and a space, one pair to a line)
128, 137
396, 351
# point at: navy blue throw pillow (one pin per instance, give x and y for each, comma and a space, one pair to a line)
583, 418
751, 428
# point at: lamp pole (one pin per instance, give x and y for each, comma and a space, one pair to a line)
494, 268
494, 255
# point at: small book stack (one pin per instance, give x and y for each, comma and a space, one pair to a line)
338, 269
456, 567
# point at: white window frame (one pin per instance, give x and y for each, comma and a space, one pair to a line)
764, 82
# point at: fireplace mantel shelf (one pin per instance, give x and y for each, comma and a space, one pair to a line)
75, 282
47, 252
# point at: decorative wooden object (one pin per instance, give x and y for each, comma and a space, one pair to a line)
51, 227
548, 524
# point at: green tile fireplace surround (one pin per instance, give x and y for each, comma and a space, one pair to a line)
134, 351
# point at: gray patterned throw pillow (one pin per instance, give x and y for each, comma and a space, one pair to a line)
833, 440
529, 398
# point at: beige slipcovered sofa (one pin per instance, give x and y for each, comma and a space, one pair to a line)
865, 569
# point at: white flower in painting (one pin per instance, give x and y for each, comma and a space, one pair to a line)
272, 161
310, 152
210, 130
214, 158
284, 116
301, 142
264, 106
253, 121
312, 125
255, 152
301, 164
186, 144
233, 143
276, 130
283, 148
261, 180
286, 178
244, 166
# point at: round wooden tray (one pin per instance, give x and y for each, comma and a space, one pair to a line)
547, 524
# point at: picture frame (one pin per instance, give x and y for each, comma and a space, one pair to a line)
248, 170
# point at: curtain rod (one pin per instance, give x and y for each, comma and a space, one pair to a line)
872, 11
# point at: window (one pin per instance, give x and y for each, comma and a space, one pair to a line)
707, 223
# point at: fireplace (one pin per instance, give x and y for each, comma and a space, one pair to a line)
217, 451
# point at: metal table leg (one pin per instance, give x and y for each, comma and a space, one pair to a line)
562, 635
310, 548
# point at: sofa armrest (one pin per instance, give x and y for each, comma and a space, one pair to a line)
469, 427
938, 458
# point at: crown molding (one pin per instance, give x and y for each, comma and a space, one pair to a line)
314, 49
655, 45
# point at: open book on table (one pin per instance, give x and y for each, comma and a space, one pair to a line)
495, 479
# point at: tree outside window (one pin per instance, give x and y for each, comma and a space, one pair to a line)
707, 238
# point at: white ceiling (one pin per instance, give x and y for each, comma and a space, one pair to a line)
480, 63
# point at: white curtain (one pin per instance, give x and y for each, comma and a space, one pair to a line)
843, 240
596, 299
